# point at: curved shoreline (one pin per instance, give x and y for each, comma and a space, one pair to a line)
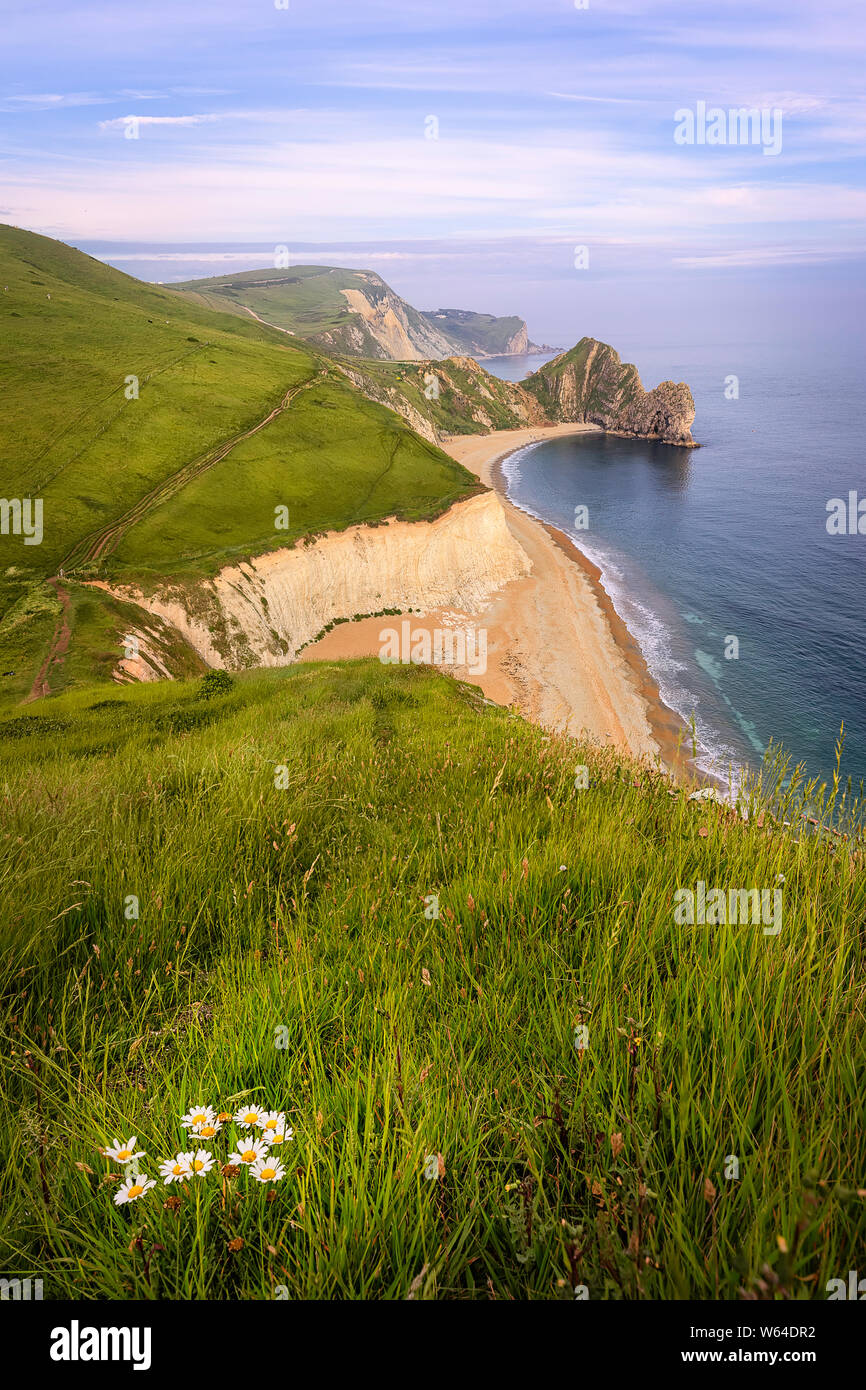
556, 648
670, 731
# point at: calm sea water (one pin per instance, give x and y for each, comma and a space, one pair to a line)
701, 546
516, 366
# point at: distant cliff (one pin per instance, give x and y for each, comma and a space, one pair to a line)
354, 313
482, 335
590, 383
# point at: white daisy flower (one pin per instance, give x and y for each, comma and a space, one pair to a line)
198, 1115
249, 1151
268, 1170
133, 1188
208, 1130
271, 1119
176, 1169
248, 1116
283, 1134
124, 1152
200, 1162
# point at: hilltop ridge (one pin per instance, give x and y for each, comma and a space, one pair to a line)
356, 313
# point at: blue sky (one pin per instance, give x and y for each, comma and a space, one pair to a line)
308, 127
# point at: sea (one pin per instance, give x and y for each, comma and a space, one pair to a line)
748, 610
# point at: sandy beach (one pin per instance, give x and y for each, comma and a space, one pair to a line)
556, 648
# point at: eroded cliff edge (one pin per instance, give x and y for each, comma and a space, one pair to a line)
264, 611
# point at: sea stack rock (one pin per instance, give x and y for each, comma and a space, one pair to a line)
590, 384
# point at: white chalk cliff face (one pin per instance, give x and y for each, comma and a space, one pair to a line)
261, 613
388, 321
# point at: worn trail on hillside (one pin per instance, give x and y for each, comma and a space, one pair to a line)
58, 649
102, 542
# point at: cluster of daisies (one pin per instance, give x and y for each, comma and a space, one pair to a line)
262, 1132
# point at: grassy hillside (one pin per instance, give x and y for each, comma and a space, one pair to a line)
456, 396
317, 460
307, 300
230, 420
283, 839
311, 302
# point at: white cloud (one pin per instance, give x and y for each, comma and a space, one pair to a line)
50, 101
120, 122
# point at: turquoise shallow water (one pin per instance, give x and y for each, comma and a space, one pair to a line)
701, 546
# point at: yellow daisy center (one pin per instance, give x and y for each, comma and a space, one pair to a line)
271, 1124
197, 1164
199, 1119
208, 1131
123, 1153
136, 1190
277, 1139
177, 1170
250, 1117
249, 1156
269, 1172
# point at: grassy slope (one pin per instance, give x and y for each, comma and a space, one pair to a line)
408, 1036
335, 460
462, 392
305, 300
71, 437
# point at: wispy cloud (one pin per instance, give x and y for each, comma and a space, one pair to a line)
120, 122
50, 101
310, 123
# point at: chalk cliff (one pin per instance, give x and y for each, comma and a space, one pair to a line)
264, 611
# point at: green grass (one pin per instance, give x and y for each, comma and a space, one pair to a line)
335, 460
409, 1036
305, 300
172, 482
468, 400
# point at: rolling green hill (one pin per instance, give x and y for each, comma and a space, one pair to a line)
355, 313
345, 311
160, 436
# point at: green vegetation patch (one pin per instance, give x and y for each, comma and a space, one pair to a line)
364, 898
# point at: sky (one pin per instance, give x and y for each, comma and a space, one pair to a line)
489, 154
